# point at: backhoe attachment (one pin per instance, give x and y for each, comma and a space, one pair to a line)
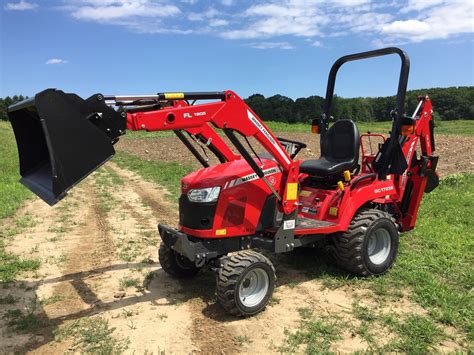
61, 139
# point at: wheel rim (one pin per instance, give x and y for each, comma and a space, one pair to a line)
253, 287
379, 246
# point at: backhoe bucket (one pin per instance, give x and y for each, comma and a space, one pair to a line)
61, 139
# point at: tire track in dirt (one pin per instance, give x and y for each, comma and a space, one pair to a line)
209, 335
151, 194
91, 250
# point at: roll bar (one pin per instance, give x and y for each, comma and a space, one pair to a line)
402, 82
387, 154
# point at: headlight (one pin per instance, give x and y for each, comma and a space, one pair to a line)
209, 194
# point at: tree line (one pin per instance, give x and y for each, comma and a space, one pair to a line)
454, 103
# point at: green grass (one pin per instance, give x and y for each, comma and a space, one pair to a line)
458, 127
127, 282
92, 336
165, 174
437, 257
434, 268
12, 193
11, 265
315, 333
416, 334
145, 134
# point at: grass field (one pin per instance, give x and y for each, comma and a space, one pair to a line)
458, 127
11, 192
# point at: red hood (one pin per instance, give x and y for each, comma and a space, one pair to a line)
218, 175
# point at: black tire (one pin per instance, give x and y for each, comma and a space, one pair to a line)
237, 270
175, 264
362, 250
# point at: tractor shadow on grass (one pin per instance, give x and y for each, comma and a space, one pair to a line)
162, 290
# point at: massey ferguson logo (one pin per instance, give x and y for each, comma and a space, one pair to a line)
384, 189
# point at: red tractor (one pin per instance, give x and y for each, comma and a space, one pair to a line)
271, 202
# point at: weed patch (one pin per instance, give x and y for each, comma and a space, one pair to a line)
315, 333
92, 336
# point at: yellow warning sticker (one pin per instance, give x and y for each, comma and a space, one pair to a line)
305, 193
221, 231
174, 95
333, 211
292, 191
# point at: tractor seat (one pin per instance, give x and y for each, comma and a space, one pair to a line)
339, 151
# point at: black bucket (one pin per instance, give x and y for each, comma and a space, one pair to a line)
61, 139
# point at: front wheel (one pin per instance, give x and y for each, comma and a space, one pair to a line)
175, 264
370, 245
245, 283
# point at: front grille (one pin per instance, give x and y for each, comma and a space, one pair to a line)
196, 215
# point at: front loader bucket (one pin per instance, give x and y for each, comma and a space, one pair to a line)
61, 139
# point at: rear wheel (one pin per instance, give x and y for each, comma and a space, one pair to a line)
370, 245
245, 283
175, 264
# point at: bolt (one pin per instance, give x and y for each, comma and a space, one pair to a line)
292, 245
288, 246
143, 126
100, 97
108, 129
123, 114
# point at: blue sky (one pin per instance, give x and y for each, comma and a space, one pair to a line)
269, 47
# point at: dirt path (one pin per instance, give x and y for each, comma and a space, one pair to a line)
98, 261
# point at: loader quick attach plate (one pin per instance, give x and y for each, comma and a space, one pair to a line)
61, 139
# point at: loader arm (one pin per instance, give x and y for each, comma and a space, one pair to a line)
231, 114
63, 138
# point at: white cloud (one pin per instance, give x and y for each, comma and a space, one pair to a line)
20, 6
113, 10
56, 61
218, 22
418, 5
201, 16
270, 45
316, 44
275, 23
294, 17
440, 21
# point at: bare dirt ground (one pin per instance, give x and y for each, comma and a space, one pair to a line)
98, 252
456, 153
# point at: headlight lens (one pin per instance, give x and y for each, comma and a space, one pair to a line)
209, 194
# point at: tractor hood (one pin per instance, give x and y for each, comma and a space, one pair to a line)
234, 173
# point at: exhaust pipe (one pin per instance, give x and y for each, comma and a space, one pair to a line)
61, 139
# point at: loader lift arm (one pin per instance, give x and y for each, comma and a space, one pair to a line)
231, 114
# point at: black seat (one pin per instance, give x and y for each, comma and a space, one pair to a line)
339, 151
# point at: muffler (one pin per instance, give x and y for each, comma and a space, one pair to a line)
62, 138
